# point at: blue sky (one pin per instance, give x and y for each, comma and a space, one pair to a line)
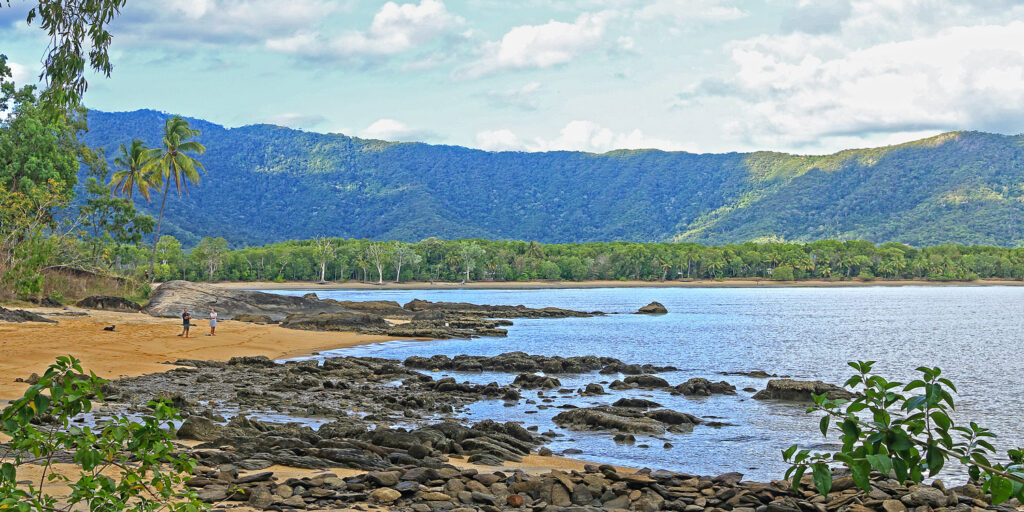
697, 75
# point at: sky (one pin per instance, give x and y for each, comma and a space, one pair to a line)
798, 76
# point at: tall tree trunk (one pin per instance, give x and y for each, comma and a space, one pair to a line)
156, 237
398, 272
380, 274
323, 270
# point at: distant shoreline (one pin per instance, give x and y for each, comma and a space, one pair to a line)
541, 285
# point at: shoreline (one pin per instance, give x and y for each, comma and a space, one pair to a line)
545, 285
143, 344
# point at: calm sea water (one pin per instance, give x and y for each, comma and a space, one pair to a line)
975, 334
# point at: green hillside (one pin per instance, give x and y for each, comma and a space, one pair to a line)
267, 183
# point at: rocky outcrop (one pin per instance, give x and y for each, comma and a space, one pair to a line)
703, 387
344, 321
254, 319
171, 297
384, 308
20, 315
488, 311
531, 381
654, 308
801, 391
516, 362
109, 303
629, 420
646, 381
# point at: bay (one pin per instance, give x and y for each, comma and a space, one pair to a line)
975, 334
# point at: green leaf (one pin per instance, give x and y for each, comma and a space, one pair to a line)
900, 467
935, 460
797, 476
860, 470
1001, 489
788, 452
823, 479
941, 419
881, 463
8, 473
823, 425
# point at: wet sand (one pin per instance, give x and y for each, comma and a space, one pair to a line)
143, 344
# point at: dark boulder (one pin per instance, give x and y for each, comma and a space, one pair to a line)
345, 321
801, 391
703, 387
20, 315
646, 381
654, 308
199, 428
253, 318
109, 303
531, 381
171, 297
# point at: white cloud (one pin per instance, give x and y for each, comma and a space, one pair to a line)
540, 46
394, 130
498, 140
21, 75
395, 29
888, 72
576, 135
296, 120
217, 22
524, 97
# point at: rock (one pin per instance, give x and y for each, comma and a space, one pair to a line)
925, 495
198, 428
514, 500
20, 315
703, 387
109, 303
261, 498
654, 308
531, 381
635, 402
594, 389
385, 496
489, 311
796, 390
544, 452
253, 318
343, 321
171, 297
894, 506
294, 502
625, 420
384, 308
212, 494
418, 451
383, 478
646, 381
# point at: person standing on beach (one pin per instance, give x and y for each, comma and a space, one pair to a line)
213, 322
185, 323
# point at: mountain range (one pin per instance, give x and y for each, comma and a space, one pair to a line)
266, 183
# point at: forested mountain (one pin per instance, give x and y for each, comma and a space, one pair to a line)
267, 183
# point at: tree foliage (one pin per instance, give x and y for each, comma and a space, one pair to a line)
148, 475
906, 429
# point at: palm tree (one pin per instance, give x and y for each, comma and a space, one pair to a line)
131, 161
173, 163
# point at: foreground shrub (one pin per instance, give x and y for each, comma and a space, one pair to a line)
140, 453
889, 429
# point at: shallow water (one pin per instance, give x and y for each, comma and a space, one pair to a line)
973, 333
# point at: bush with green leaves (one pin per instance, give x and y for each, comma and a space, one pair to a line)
149, 476
904, 430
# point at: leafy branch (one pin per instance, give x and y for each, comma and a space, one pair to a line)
904, 430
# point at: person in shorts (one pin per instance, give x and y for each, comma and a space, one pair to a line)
213, 322
185, 323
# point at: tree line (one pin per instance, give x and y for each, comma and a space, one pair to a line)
333, 259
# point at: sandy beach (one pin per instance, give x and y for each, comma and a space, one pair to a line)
540, 285
143, 344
